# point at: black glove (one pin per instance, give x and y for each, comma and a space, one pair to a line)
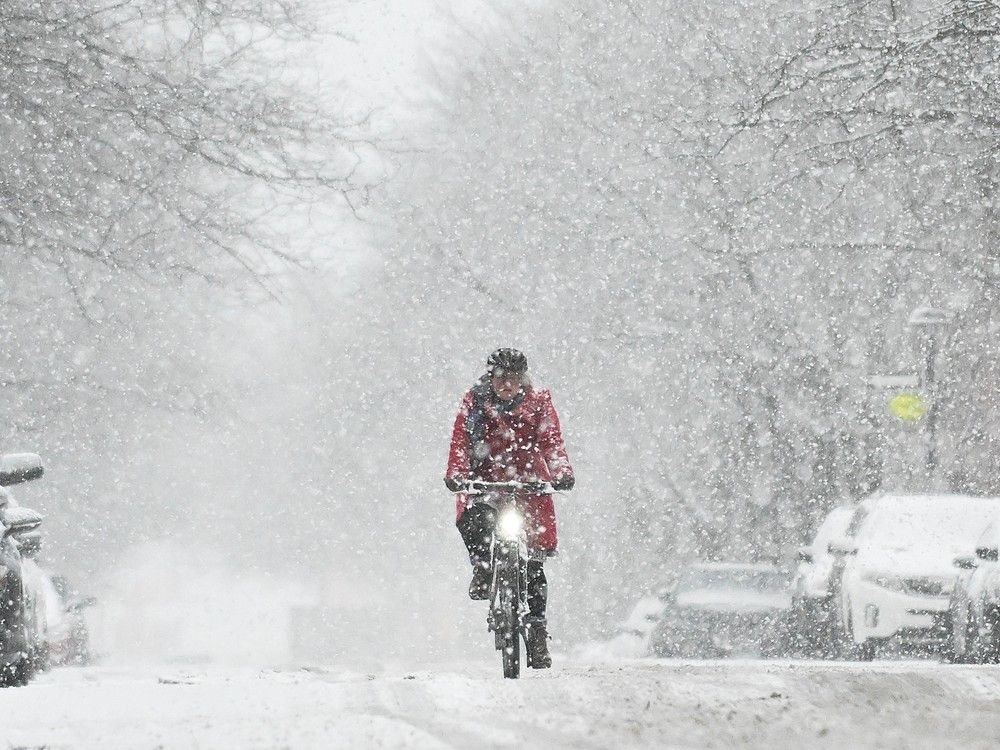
563, 483
455, 484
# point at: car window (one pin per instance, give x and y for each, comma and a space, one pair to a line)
988, 538
859, 518
833, 526
735, 579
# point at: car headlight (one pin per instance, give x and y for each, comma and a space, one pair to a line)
929, 585
915, 585
893, 583
510, 525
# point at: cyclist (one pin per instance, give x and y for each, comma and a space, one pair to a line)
506, 430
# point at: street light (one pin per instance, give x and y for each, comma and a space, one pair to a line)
929, 321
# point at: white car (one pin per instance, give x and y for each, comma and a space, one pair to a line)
816, 562
816, 585
975, 602
632, 636
900, 572
725, 608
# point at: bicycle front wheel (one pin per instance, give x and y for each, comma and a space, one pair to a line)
509, 630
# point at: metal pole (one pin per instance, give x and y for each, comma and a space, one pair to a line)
932, 410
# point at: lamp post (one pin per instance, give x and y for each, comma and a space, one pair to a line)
929, 322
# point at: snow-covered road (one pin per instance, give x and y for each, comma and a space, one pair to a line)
578, 704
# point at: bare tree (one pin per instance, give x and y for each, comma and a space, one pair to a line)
891, 111
159, 138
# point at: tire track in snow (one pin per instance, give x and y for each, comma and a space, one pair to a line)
628, 704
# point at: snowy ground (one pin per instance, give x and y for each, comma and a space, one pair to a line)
579, 705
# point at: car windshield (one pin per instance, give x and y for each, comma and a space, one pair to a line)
733, 579
834, 525
989, 537
924, 522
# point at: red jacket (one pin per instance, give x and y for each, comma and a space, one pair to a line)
523, 444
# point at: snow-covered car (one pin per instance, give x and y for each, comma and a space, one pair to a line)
57, 630
631, 636
815, 587
975, 601
69, 639
41, 602
14, 636
18, 624
634, 632
900, 574
718, 609
20, 628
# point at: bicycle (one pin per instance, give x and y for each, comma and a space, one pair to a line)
508, 596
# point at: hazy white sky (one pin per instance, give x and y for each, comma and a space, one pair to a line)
380, 49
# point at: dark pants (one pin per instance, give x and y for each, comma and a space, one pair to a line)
476, 527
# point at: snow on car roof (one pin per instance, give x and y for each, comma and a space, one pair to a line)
902, 519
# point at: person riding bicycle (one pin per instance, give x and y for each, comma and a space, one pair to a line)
506, 430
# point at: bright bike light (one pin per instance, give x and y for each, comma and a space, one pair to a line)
510, 524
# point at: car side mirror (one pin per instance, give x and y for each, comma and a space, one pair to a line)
965, 562
18, 520
842, 547
805, 555
990, 554
19, 467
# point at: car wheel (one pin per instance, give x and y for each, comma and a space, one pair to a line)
864, 651
989, 636
976, 640
801, 634
662, 641
963, 647
39, 659
17, 674
836, 644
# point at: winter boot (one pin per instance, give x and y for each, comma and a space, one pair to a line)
479, 588
536, 642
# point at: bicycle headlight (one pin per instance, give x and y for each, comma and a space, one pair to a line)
510, 525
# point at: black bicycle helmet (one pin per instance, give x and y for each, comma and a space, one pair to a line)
508, 360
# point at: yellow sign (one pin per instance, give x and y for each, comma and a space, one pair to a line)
908, 406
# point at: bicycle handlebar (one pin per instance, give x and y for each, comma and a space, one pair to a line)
475, 487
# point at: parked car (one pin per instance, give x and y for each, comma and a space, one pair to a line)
41, 602
975, 601
55, 612
69, 640
900, 574
18, 621
814, 620
631, 636
15, 634
718, 609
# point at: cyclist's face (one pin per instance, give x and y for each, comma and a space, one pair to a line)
506, 384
